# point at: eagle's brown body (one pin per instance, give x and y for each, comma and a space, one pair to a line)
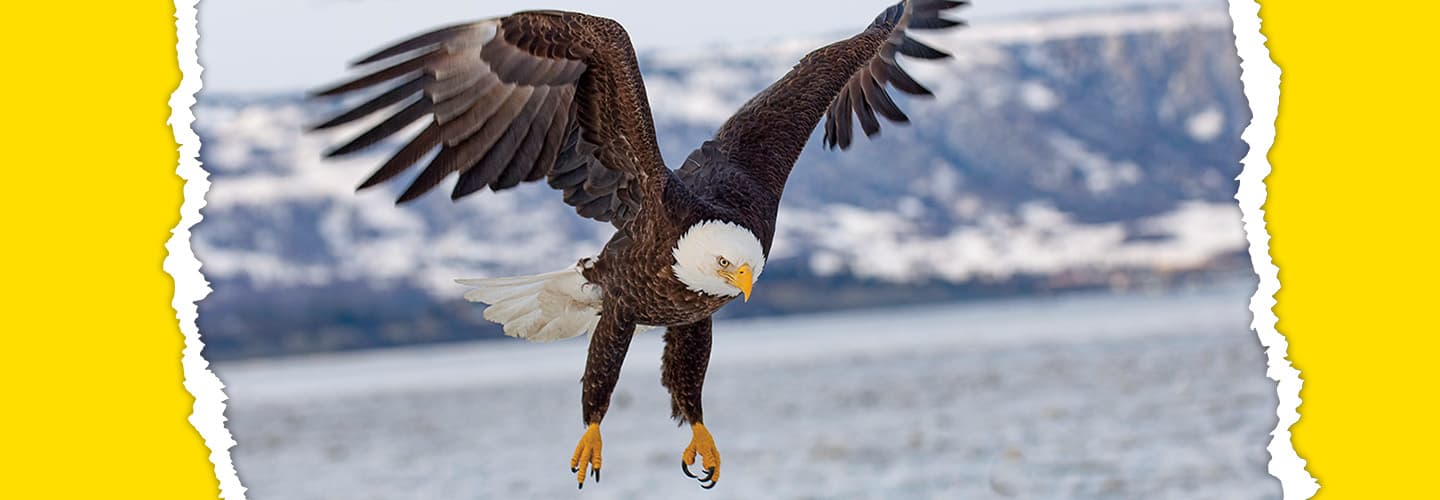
559, 96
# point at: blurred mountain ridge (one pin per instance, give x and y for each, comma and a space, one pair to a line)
1070, 151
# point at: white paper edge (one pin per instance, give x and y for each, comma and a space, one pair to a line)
1260, 78
208, 415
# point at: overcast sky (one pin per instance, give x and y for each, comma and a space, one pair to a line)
268, 45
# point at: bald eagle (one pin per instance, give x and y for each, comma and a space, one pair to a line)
558, 96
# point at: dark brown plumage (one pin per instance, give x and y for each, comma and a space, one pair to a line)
558, 96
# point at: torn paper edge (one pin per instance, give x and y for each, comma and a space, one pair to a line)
1260, 77
208, 415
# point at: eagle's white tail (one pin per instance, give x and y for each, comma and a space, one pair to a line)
540, 308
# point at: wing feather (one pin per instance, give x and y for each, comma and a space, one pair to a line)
423, 143
913, 48
379, 102
453, 85
841, 110
840, 83
880, 100
498, 155
528, 152
864, 94
392, 72
514, 99
448, 108
902, 81
469, 123
554, 139
868, 123
391, 125
426, 40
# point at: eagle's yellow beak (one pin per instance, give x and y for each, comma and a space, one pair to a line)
742, 279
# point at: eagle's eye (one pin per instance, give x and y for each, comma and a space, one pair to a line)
724, 263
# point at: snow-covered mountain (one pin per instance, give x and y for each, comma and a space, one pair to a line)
1067, 151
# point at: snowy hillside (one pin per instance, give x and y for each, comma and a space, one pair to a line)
1082, 150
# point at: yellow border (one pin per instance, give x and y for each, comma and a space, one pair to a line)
90, 364
93, 402
1352, 217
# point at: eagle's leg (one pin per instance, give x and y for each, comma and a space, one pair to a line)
687, 354
608, 345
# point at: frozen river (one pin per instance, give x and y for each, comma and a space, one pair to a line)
1159, 395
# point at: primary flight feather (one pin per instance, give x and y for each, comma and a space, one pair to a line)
558, 96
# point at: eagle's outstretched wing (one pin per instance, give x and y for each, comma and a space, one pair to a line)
864, 94
540, 94
845, 81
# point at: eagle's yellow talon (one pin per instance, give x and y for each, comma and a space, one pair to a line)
702, 444
587, 455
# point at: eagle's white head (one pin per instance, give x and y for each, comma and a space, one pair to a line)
719, 258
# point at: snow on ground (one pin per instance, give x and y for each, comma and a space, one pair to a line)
1158, 395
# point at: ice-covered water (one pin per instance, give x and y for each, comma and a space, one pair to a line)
1159, 395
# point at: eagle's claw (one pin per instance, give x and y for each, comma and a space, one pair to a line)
709, 475
701, 444
587, 456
